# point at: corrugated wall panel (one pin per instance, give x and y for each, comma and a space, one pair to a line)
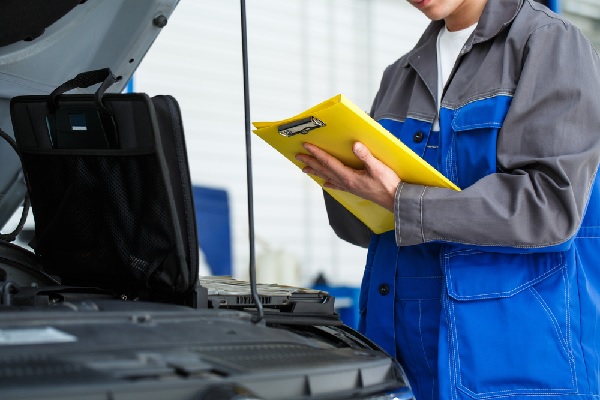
301, 52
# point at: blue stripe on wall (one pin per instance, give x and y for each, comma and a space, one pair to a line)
554, 5
129, 87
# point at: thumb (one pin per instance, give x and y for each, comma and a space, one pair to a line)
363, 154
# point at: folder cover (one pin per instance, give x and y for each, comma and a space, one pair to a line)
335, 125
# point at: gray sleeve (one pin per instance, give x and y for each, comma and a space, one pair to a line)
345, 224
548, 151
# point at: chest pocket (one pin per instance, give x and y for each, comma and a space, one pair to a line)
469, 135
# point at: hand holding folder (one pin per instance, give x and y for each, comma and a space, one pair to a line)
334, 126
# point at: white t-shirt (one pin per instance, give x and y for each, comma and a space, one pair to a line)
449, 45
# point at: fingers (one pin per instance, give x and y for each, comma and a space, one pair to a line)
323, 165
324, 158
377, 182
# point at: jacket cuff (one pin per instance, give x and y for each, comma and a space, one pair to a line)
408, 214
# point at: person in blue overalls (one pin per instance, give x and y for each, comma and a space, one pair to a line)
492, 291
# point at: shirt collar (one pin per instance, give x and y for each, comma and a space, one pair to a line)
496, 16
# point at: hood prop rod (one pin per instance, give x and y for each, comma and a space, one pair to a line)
259, 308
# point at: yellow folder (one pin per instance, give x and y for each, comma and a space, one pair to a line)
334, 125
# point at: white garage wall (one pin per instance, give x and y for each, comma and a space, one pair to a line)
300, 52
586, 15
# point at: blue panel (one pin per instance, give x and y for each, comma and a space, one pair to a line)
554, 5
405, 131
214, 228
129, 87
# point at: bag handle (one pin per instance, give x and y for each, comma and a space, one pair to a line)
84, 80
10, 237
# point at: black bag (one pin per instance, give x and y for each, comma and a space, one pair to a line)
110, 189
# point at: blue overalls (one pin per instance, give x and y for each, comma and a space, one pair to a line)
470, 322
410, 283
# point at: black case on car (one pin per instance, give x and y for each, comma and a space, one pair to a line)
110, 191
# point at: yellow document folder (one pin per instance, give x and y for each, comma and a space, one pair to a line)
334, 125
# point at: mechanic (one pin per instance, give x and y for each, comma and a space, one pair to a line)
492, 291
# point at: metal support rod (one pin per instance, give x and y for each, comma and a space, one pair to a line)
259, 308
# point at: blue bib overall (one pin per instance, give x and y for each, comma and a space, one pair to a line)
475, 322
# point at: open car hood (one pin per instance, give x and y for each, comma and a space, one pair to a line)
45, 43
